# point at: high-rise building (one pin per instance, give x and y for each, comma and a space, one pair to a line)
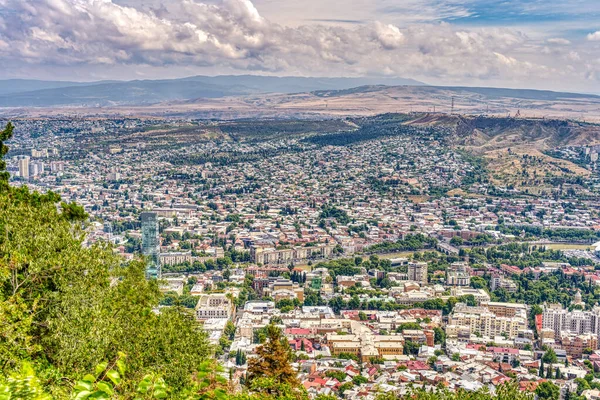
24, 167
36, 168
150, 244
417, 271
458, 275
577, 322
486, 322
57, 166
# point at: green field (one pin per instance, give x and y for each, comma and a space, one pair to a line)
567, 246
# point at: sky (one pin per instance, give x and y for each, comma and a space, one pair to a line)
542, 44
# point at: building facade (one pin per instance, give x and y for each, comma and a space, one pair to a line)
417, 271
151, 244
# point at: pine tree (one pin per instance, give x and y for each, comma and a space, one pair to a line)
541, 372
273, 362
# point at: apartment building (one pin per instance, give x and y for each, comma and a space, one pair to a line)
458, 274
481, 320
576, 345
417, 271
577, 321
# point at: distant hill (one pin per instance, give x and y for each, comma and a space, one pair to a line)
32, 93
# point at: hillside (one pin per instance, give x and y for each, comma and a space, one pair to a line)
32, 93
517, 149
259, 97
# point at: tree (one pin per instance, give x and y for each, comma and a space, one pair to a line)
456, 241
229, 330
5, 135
272, 362
549, 356
547, 391
439, 335
354, 303
66, 307
507, 391
359, 380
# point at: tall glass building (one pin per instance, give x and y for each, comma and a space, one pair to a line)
151, 244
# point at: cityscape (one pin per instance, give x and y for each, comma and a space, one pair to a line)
315, 200
393, 260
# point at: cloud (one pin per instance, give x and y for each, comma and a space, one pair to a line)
559, 41
389, 36
594, 37
232, 35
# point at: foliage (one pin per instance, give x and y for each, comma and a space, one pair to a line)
409, 243
507, 391
107, 382
5, 135
66, 307
547, 391
273, 363
549, 356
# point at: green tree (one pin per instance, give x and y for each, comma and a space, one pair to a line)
229, 330
5, 135
549, 356
66, 307
273, 362
439, 335
547, 391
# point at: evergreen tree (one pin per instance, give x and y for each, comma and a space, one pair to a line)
273, 362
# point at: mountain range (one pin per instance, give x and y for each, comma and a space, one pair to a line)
36, 93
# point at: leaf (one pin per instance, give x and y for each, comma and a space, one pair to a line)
105, 387
100, 368
83, 395
160, 394
145, 384
89, 378
114, 376
121, 366
100, 395
83, 385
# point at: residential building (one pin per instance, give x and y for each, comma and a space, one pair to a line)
417, 271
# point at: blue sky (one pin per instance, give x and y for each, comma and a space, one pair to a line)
547, 44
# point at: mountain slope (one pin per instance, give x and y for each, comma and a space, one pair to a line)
30, 93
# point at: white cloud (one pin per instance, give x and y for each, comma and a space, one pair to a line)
232, 35
559, 41
594, 37
389, 35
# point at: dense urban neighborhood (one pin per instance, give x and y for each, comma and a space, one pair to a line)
387, 256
